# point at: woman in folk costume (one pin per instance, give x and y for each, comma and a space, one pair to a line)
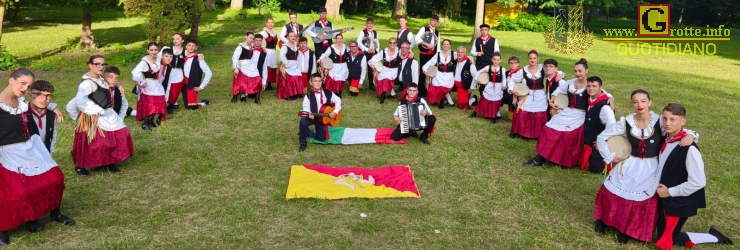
248, 65
391, 60
465, 72
444, 80
507, 98
270, 38
562, 138
529, 121
290, 86
337, 76
151, 106
101, 139
627, 200
490, 102
31, 183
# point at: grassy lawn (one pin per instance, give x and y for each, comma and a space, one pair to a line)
216, 178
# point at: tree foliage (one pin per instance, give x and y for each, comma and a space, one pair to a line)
165, 17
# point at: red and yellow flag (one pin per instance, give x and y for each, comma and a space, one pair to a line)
324, 182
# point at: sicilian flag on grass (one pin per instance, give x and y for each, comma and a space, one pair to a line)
345, 136
324, 182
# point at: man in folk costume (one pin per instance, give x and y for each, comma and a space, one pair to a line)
465, 71
197, 76
357, 67
326, 41
413, 97
372, 35
101, 138
404, 34
176, 76
483, 48
270, 40
598, 116
408, 70
315, 102
306, 61
293, 26
681, 187
290, 85
427, 50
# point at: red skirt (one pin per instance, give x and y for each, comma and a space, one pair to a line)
436, 94
271, 74
26, 198
463, 97
354, 85
528, 125
290, 86
561, 147
488, 109
115, 147
384, 86
333, 85
149, 105
305, 80
634, 218
245, 84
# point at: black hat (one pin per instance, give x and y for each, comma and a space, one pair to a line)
485, 26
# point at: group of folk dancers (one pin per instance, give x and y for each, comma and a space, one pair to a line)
640, 194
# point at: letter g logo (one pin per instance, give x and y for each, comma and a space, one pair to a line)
654, 20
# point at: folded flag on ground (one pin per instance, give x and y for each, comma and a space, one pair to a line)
325, 182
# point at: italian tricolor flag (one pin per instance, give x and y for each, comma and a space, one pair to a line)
325, 182
345, 136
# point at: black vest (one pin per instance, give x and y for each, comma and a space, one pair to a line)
334, 56
405, 71
166, 81
369, 56
329, 26
354, 66
261, 62
178, 61
270, 41
423, 50
245, 54
291, 54
118, 96
405, 101
196, 73
488, 49
499, 77
534, 84
393, 63
100, 96
652, 143
312, 100
451, 65
11, 128
289, 27
403, 38
49, 123
149, 74
311, 58
579, 101
466, 77
551, 89
592, 126
674, 173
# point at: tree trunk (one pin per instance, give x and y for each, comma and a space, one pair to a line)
607, 15
370, 7
455, 8
237, 4
211, 4
332, 8
86, 38
590, 13
2, 16
480, 11
195, 22
355, 3
399, 8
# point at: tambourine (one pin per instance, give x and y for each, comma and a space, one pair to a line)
620, 146
561, 101
483, 78
327, 63
432, 71
520, 89
378, 66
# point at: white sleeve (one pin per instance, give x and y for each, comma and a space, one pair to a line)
83, 103
376, 58
359, 41
606, 115
206, 71
412, 41
159, 55
137, 71
696, 179
308, 30
495, 46
326, 53
615, 129
72, 109
337, 103
426, 106
503, 76
430, 62
561, 90
419, 34
415, 71
283, 52
124, 106
307, 103
607, 94
515, 78
235, 57
313, 63
473, 49
51, 106
53, 141
397, 113
283, 32
363, 65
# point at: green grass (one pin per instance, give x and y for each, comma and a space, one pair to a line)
216, 178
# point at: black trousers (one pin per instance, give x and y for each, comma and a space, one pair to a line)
423, 59
304, 131
679, 238
595, 161
369, 77
431, 120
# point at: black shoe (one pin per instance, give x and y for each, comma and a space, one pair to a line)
372, 87
302, 148
113, 169
176, 106
493, 120
425, 141
599, 226
442, 104
206, 101
531, 163
233, 98
243, 98
257, 98
382, 98
61, 218
170, 110
128, 111
82, 171
622, 238
473, 115
35, 226
146, 126
4, 238
269, 86
721, 237
512, 135
475, 98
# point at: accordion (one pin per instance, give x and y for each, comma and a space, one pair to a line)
411, 118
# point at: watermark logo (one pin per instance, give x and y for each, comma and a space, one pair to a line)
654, 35
566, 34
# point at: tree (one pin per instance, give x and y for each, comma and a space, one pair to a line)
167, 17
237, 4
480, 11
87, 40
211, 4
332, 8
2, 16
399, 8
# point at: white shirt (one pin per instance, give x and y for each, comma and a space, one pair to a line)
459, 68
363, 66
326, 28
375, 41
203, 66
694, 166
304, 61
410, 37
420, 34
397, 113
176, 75
414, 70
151, 89
291, 66
474, 51
492, 91
284, 32
321, 98
42, 132
108, 120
